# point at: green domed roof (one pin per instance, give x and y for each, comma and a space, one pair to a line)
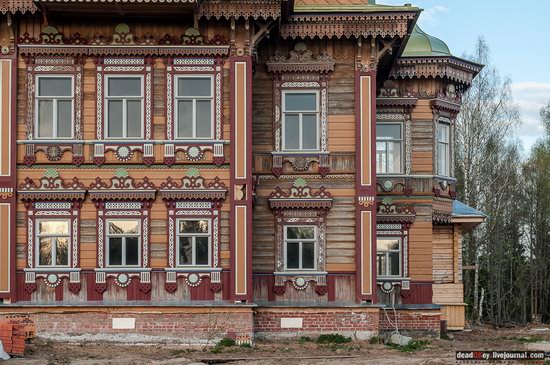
421, 44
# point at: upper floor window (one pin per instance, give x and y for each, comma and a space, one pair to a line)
53, 237
54, 107
194, 242
301, 121
443, 149
388, 257
195, 107
389, 148
124, 107
123, 242
300, 247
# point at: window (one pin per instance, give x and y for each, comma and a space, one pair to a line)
53, 242
54, 107
443, 149
194, 107
123, 242
124, 106
301, 121
300, 245
389, 140
388, 257
194, 242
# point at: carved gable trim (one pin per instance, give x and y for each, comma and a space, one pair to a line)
301, 196
301, 59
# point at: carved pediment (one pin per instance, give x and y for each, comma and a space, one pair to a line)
51, 187
122, 187
300, 196
193, 187
301, 59
389, 212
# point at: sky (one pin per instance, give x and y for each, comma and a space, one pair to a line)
518, 33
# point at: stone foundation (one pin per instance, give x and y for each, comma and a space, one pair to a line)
418, 322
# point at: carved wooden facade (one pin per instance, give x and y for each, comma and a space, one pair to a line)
246, 183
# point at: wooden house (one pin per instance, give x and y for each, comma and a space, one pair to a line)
237, 167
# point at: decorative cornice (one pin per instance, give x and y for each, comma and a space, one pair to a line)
227, 9
455, 69
300, 196
14, 6
122, 187
301, 59
52, 42
193, 187
395, 213
441, 217
51, 187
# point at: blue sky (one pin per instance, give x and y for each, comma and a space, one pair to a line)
518, 32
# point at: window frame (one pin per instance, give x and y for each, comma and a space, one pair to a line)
124, 236
211, 98
37, 237
124, 100
37, 99
401, 142
300, 121
315, 241
178, 234
386, 254
447, 145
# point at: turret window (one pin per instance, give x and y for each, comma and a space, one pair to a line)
389, 148
443, 149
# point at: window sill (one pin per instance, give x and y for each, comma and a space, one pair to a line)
193, 269
300, 152
51, 269
123, 269
300, 273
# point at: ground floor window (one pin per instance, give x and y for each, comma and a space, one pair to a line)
53, 237
123, 242
388, 257
300, 247
194, 238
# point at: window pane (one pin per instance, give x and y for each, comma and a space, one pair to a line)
123, 227
292, 255
45, 251
64, 118
394, 263
442, 168
132, 251
201, 249
54, 86
185, 251
394, 157
308, 255
124, 86
443, 133
62, 251
300, 233
115, 251
195, 86
53, 227
133, 115
114, 113
385, 244
292, 131
45, 118
204, 118
193, 226
388, 131
381, 264
381, 165
309, 132
185, 118
300, 101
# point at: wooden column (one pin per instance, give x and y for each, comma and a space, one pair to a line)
241, 178
7, 179
365, 185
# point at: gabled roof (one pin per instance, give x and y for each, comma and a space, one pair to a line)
340, 6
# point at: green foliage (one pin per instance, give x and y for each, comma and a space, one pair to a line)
246, 346
304, 339
374, 340
332, 338
226, 342
411, 346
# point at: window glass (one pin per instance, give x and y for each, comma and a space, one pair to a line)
300, 121
300, 233
389, 148
293, 255
292, 131
115, 118
124, 86
308, 255
115, 251
300, 101
185, 118
124, 227
54, 86
45, 118
194, 242
186, 251
191, 226
46, 251
201, 250
194, 86
134, 118
64, 118
388, 257
204, 118
53, 227
62, 251
309, 131
132, 251
388, 131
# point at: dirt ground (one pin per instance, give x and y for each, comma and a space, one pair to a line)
289, 351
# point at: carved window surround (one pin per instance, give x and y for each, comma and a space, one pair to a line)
52, 198
193, 199
264, 9
399, 230
445, 107
301, 206
194, 150
300, 71
54, 148
122, 198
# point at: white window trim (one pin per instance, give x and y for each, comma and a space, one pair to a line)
315, 248
301, 112
108, 241
124, 100
386, 253
401, 142
194, 99
54, 248
193, 243
37, 98
447, 144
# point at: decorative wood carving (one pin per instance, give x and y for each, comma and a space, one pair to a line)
51, 187
300, 196
262, 9
395, 213
193, 187
301, 59
453, 68
122, 187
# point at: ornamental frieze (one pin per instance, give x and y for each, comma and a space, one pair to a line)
193, 187
301, 59
300, 196
122, 187
255, 9
51, 187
